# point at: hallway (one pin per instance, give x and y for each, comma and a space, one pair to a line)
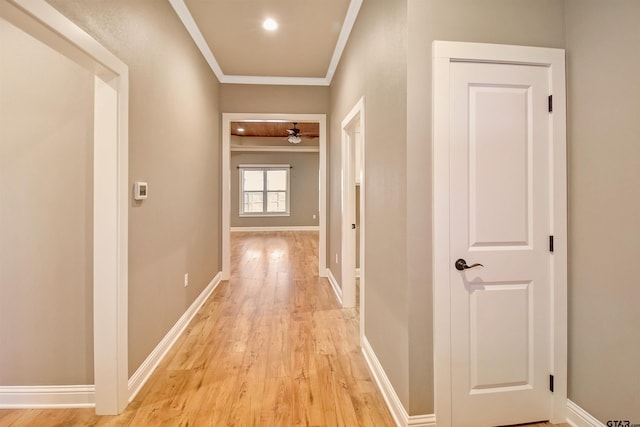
271, 347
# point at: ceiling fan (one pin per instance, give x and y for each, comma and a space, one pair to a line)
294, 134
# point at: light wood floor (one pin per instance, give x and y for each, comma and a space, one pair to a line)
540, 425
271, 347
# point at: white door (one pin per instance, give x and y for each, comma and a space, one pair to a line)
500, 217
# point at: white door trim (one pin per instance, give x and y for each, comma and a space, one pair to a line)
110, 222
358, 112
348, 202
443, 54
227, 118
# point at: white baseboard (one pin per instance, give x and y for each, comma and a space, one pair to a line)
422, 420
290, 228
142, 374
83, 396
578, 417
334, 284
27, 397
399, 414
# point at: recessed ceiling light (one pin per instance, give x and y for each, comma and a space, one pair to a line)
269, 24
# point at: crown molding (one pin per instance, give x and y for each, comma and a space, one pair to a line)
185, 16
345, 32
272, 80
190, 24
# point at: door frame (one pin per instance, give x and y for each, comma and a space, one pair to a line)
444, 53
227, 118
110, 190
352, 123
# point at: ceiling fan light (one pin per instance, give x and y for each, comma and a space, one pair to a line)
294, 139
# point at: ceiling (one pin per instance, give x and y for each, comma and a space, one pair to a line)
273, 129
304, 50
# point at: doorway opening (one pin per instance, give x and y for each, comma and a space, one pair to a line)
353, 209
110, 195
281, 144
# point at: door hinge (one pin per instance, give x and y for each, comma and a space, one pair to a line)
550, 243
551, 383
550, 103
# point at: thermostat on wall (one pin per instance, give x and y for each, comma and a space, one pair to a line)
140, 190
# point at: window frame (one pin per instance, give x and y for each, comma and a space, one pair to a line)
264, 169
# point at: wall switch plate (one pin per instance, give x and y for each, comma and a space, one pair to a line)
140, 190
186, 280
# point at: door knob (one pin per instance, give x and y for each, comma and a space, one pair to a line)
462, 265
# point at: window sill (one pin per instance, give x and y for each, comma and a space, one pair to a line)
261, 215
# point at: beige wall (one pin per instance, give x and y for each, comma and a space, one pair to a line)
174, 145
303, 182
46, 214
604, 208
274, 99
374, 66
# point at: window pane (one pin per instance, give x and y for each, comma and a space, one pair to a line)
252, 202
252, 180
276, 201
277, 180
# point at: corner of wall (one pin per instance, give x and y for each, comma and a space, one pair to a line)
398, 411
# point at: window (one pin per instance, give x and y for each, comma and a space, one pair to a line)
264, 190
